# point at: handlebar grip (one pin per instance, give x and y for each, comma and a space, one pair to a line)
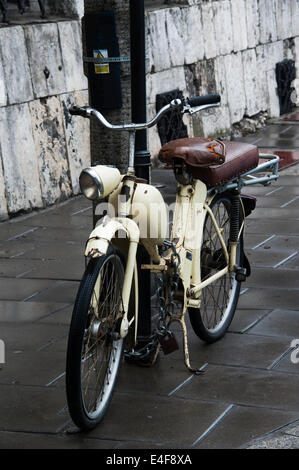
77, 111
202, 100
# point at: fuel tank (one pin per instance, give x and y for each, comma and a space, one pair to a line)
148, 210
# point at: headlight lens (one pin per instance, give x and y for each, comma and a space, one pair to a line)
91, 184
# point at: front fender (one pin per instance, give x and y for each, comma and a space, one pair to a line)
99, 239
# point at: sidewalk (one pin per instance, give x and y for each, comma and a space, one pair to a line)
249, 393
30, 16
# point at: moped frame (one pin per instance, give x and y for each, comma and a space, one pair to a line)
192, 205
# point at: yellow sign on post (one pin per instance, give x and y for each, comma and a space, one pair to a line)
101, 68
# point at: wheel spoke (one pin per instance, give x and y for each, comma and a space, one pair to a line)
216, 297
96, 312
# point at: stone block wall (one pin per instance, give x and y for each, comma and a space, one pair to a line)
42, 148
198, 46
226, 46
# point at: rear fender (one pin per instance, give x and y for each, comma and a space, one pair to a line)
249, 203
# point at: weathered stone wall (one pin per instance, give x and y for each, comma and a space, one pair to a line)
225, 46
199, 46
42, 148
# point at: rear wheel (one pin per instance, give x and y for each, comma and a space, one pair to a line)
218, 299
94, 351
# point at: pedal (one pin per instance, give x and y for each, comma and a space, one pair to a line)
169, 343
241, 274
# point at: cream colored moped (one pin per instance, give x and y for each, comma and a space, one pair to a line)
199, 267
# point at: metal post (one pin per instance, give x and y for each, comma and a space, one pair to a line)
138, 86
142, 155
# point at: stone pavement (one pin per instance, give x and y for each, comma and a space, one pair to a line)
248, 396
30, 16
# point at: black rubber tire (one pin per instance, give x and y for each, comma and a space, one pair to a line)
197, 315
82, 323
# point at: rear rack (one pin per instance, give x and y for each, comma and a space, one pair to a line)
268, 172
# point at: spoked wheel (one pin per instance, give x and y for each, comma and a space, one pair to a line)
94, 352
219, 299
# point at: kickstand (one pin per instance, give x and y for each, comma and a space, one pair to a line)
186, 349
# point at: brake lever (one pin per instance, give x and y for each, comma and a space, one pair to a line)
188, 109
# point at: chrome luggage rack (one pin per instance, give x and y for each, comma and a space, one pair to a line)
268, 172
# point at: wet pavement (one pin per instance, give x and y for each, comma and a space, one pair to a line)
248, 396
31, 15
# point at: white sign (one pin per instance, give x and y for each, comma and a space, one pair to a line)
2, 352
295, 352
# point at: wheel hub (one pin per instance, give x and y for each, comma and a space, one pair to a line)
97, 331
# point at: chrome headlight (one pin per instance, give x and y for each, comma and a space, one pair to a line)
90, 184
99, 181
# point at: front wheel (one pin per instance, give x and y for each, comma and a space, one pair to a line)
94, 352
218, 299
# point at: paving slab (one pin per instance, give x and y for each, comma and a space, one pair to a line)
31, 409
285, 200
292, 263
253, 240
19, 364
244, 319
13, 230
13, 268
245, 386
274, 226
281, 244
24, 440
46, 234
280, 322
61, 291
289, 362
61, 316
15, 249
286, 213
269, 298
58, 220
277, 190
287, 180
251, 350
162, 379
21, 289
13, 311
155, 419
280, 278
244, 424
43, 268
266, 257
42, 251
33, 336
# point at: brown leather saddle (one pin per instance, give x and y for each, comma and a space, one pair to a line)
212, 161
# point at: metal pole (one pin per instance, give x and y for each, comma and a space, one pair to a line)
142, 155
138, 85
